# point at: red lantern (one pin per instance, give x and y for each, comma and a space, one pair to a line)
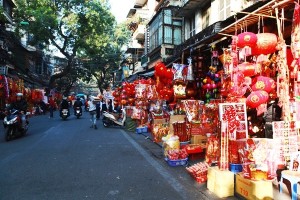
246, 39
264, 83
169, 73
249, 69
256, 98
266, 44
160, 69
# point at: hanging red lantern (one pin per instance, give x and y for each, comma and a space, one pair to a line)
246, 39
256, 98
249, 69
266, 44
264, 83
169, 73
160, 69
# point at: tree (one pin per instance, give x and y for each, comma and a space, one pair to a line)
105, 60
75, 28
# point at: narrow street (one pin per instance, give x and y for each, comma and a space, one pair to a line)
69, 160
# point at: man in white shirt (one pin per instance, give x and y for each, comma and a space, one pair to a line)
92, 111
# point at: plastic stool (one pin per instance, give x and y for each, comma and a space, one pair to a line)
294, 178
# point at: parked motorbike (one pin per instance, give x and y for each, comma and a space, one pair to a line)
109, 119
78, 112
13, 126
64, 114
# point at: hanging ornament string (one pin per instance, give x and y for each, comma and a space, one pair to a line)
258, 25
283, 72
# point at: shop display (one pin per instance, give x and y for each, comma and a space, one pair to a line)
199, 110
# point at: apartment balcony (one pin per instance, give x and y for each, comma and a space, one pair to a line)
189, 6
139, 3
139, 33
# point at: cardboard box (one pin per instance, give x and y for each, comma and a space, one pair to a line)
220, 182
199, 139
160, 121
253, 190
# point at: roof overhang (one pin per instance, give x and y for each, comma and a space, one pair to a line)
252, 17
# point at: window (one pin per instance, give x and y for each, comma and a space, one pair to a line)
191, 27
205, 18
164, 30
225, 9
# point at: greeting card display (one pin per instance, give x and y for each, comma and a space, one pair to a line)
285, 135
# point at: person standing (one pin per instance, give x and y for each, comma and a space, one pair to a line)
92, 111
110, 106
103, 106
51, 106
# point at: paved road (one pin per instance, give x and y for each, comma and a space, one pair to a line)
69, 160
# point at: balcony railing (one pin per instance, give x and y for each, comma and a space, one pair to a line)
139, 33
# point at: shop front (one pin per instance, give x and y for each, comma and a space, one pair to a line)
230, 118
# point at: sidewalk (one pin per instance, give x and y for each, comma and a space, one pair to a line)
180, 173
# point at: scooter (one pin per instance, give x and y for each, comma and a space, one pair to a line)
64, 114
12, 123
78, 112
110, 120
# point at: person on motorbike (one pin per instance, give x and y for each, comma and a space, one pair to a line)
64, 105
21, 105
77, 103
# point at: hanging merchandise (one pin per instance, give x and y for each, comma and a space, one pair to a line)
179, 72
266, 44
190, 75
264, 83
249, 69
246, 41
256, 98
140, 91
193, 109
179, 90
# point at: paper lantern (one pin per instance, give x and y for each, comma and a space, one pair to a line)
246, 39
266, 44
160, 69
264, 83
256, 98
249, 69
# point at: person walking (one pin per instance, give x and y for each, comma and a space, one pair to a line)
92, 111
51, 106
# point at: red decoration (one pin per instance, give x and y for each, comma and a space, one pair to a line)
264, 83
246, 39
266, 44
256, 98
249, 69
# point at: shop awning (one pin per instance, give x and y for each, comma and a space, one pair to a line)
147, 74
252, 17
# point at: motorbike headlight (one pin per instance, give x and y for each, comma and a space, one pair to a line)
12, 121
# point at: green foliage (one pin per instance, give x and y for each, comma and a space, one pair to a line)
79, 29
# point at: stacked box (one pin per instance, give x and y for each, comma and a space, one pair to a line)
253, 190
220, 182
199, 139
